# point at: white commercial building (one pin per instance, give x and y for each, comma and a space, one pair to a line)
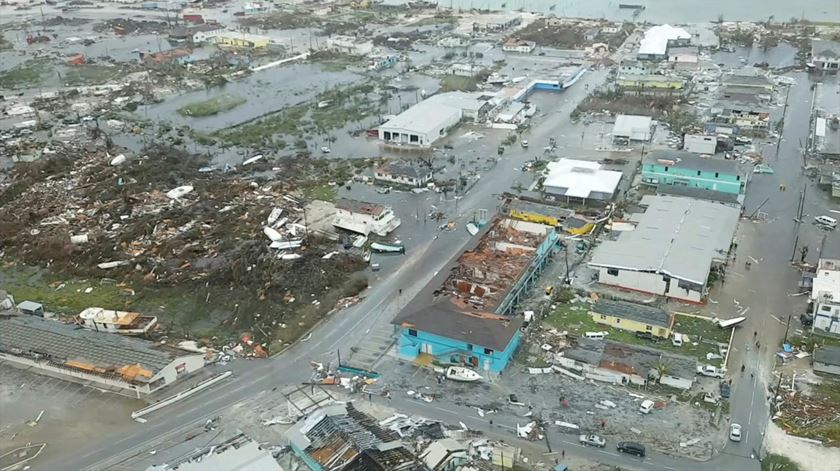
700, 144
671, 251
580, 181
364, 218
427, 121
825, 296
654, 46
629, 128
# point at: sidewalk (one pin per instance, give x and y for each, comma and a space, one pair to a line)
808, 456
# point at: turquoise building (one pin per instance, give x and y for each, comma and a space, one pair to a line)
466, 315
680, 168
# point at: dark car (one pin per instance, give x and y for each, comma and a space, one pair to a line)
631, 448
724, 390
647, 336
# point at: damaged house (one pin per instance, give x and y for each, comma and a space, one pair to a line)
339, 437
363, 218
464, 316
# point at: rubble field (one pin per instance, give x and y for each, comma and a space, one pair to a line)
168, 221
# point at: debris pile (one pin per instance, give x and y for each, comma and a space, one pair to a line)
167, 219
812, 415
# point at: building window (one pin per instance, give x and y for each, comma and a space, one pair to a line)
717, 174
737, 178
612, 271
618, 321
698, 173
469, 347
603, 316
488, 351
825, 308
649, 328
412, 332
666, 169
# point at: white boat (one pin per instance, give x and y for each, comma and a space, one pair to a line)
459, 373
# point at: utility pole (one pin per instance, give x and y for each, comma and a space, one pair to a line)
786, 330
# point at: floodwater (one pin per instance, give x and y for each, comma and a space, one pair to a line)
777, 57
266, 91
663, 11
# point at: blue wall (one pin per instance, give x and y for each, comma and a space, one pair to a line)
723, 182
444, 349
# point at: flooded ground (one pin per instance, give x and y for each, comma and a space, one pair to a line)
265, 91
662, 11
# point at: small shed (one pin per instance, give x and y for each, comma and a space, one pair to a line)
32, 308
632, 128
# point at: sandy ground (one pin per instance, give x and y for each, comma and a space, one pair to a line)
72, 412
808, 456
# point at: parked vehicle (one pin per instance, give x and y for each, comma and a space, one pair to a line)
631, 448
735, 432
677, 341
524, 144
459, 373
826, 221
596, 335
646, 336
711, 371
725, 390
646, 407
593, 440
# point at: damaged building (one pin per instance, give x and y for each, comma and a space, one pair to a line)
107, 360
363, 218
672, 249
339, 437
464, 316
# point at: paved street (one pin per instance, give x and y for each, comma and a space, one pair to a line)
764, 288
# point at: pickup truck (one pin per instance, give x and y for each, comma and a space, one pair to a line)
711, 371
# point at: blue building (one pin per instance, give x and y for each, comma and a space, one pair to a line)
680, 168
459, 335
466, 314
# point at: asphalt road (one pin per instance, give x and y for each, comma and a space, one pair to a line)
769, 242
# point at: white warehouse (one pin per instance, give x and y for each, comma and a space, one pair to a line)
427, 121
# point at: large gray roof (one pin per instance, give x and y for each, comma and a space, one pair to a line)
633, 311
828, 355
825, 48
444, 318
699, 193
692, 161
62, 343
676, 236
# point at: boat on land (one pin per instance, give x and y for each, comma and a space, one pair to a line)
459, 373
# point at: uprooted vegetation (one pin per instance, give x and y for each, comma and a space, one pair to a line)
203, 251
616, 102
572, 35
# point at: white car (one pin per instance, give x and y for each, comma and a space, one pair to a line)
646, 406
326, 150
735, 432
593, 440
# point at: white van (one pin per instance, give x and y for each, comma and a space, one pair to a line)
677, 341
646, 407
596, 335
826, 221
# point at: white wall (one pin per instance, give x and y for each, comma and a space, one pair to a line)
170, 374
700, 144
647, 283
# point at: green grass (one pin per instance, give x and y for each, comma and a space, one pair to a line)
31, 285
576, 319
451, 83
321, 192
220, 104
778, 463
91, 74
27, 75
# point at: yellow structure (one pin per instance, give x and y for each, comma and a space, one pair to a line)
538, 213
633, 317
242, 40
578, 226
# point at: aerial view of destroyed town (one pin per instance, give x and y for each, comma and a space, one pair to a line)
419, 235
